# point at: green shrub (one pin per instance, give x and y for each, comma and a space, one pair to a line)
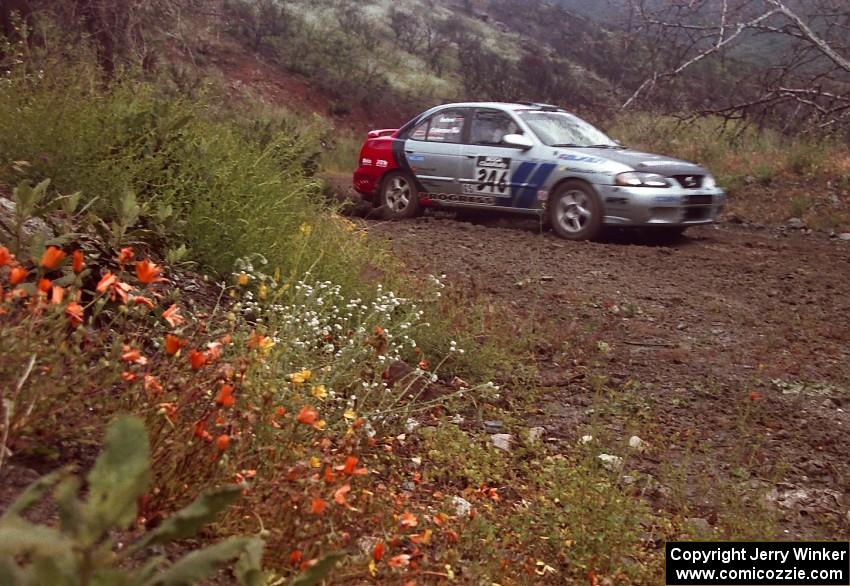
83, 549
454, 456
223, 185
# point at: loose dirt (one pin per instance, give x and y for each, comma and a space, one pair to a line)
727, 351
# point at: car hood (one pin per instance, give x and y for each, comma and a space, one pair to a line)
646, 162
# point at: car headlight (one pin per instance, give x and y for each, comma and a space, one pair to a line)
636, 179
708, 182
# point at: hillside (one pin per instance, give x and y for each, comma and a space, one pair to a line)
398, 57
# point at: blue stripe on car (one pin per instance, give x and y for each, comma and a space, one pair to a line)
518, 180
528, 196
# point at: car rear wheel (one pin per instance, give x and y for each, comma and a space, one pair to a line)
399, 196
575, 212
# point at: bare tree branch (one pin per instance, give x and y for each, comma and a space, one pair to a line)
721, 42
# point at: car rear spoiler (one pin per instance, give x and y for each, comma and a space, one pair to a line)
380, 133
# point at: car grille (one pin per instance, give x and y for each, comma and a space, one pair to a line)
694, 214
698, 200
689, 181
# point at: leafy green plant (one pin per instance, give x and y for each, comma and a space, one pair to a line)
83, 549
454, 456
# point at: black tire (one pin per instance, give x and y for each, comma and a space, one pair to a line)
399, 197
575, 212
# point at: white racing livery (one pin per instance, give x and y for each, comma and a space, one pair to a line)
531, 159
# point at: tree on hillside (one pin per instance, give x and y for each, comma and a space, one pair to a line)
486, 75
122, 29
257, 20
8, 11
803, 76
407, 28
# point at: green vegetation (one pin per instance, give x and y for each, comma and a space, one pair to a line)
82, 552
218, 182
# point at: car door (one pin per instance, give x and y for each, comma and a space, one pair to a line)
433, 151
492, 173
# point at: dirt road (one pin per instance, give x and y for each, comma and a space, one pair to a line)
726, 351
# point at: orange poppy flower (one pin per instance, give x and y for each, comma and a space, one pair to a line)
350, 465
133, 355
422, 538
120, 291
408, 519
225, 397
17, 275
116, 288
169, 410
221, 442
379, 331
5, 256
200, 431
173, 344
77, 261
197, 359
148, 272
755, 396
280, 411
57, 295
125, 255
52, 258
141, 300
173, 317
399, 561
308, 415
44, 285
128, 376
295, 557
378, 552
318, 506
106, 282
152, 385
339, 494
74, 311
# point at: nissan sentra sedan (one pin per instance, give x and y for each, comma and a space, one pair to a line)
531, 159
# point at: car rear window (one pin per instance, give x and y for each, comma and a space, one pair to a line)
441, 127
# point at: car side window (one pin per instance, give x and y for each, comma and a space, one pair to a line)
489, 127
421, 131
446, 126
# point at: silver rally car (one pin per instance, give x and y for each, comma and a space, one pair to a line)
531, 159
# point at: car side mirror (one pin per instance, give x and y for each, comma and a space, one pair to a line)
519, 141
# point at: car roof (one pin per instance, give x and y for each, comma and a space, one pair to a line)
502, 106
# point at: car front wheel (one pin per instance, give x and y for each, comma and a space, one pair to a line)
399, 196
575, 212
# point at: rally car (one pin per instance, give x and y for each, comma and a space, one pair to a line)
530, 159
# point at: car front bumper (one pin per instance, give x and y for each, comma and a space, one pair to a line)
647, 206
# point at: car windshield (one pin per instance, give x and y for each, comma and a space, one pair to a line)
563, 129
